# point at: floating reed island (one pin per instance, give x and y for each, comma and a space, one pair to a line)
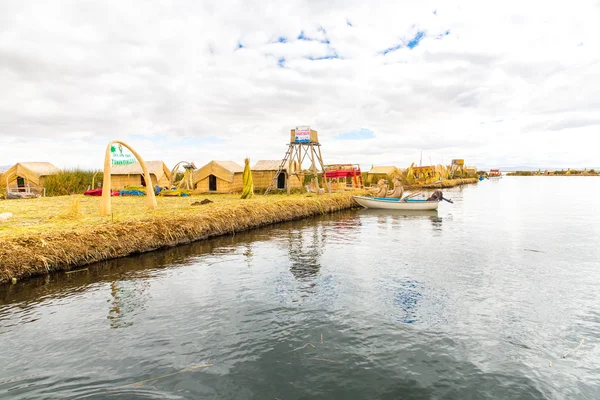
50, 234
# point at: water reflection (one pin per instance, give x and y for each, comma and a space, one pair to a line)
406, 300
397, 216
305, 248
128, 299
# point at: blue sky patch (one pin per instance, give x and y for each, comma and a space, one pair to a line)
415, 41
281, 39
348, 22
441, 35
333, 56
302, 36
434, 12
358, 134
281, 62
240, 45
390, 49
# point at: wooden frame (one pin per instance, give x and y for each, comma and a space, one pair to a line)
105, 203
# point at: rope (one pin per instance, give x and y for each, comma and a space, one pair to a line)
572, 350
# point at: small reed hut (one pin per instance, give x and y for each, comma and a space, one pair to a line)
219, 177
28, 177
264, 171
132, 175
377, 173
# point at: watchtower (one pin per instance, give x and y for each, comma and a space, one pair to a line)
304, 143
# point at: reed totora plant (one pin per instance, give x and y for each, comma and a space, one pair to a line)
75, 181
248, 190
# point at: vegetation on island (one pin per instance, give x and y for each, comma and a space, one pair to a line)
74, 181
562, 172
49, 234
413, 177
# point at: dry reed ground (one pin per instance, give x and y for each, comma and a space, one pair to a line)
52, 233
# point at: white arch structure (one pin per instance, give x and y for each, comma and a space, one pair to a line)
105, 203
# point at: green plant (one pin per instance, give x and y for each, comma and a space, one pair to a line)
66, 182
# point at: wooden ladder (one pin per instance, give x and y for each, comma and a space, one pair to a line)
281, 168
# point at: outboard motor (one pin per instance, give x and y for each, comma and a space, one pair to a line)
436, 196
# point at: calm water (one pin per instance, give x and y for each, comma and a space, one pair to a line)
472, 302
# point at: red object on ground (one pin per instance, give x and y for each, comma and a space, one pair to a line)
98, 192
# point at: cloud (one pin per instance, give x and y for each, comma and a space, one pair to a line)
75, 76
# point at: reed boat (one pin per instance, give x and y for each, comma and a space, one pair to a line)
494, 174
396, 204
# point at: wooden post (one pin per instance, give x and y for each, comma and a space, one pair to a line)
105, 203
289, 170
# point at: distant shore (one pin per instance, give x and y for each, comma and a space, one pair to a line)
555, 173
449, 183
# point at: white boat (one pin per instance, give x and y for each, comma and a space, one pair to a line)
396, 204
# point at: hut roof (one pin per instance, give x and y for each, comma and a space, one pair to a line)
389, 170
156, 168
221, 169
267, 165
32, 171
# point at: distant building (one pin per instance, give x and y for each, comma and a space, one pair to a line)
384, 172
28, 177
132, 175
219, 177
264, 171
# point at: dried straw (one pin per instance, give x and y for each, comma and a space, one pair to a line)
40, 239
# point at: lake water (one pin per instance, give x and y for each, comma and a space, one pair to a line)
480, 300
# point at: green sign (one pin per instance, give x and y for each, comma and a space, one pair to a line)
118, 157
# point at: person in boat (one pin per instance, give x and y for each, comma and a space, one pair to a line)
436, 196
398, 190
381, 190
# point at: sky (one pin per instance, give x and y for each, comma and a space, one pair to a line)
383, 83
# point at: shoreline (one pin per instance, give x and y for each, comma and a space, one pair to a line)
62, 249
53, 234
449, 183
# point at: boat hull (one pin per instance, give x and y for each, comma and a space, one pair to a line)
396, 204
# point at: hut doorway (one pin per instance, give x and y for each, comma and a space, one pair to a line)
281, 181
143, 180
20, 184
212, 183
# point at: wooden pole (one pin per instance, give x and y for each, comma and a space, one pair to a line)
290, 161
105, 203
323, 169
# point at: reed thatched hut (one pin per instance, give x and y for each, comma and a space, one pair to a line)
132, 175
219, 177
385, 172
264, 171
28, 177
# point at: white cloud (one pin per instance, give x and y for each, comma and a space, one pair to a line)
497, 84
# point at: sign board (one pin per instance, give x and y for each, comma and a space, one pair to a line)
120, 157
302, 134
